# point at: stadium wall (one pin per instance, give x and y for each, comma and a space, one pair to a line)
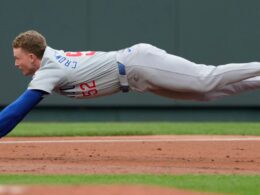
203, 31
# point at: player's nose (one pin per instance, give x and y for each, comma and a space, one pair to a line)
17, 65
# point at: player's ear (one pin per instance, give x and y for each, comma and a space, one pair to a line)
32, 56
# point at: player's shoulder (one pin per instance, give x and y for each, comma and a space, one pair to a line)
58, 59
51, 54
52, 58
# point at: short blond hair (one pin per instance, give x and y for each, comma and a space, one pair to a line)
31, 41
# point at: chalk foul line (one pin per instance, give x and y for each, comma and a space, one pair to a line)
129, 140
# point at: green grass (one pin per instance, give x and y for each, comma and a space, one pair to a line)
135, 128
239, 184
234, 184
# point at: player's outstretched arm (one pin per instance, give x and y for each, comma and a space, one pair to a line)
15, 112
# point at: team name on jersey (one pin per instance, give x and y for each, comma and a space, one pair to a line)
65, 61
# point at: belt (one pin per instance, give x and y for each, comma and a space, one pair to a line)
123, 78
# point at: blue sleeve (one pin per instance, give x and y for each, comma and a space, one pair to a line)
15, 112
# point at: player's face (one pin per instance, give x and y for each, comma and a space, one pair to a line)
25, 61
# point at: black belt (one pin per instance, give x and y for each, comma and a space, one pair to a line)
123, 78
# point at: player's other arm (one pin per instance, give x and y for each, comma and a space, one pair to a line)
16, 111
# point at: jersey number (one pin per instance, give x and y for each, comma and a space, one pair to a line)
88, 89
80, 53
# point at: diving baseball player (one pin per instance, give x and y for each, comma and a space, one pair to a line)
142, 68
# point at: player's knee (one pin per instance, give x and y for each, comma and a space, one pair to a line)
203, 88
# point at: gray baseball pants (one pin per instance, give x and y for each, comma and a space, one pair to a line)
149, 68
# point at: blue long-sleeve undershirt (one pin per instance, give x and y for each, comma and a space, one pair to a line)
16, 111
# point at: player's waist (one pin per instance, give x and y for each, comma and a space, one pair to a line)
124, 86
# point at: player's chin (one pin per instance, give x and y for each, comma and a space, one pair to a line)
26, 73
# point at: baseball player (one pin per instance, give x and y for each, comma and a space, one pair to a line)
142, 68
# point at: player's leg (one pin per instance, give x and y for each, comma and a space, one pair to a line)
185, 95
233, 89
228, 90
152, 69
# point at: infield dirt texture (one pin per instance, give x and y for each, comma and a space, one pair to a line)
129, 155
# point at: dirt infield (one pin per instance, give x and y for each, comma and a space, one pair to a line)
120, 155
125, 155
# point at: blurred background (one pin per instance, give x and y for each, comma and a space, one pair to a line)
204, 31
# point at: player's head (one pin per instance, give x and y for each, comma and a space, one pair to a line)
28, 49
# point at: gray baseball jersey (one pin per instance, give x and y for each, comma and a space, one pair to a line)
77, 74
146, 68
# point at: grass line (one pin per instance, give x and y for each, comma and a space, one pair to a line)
239, 184
135, 128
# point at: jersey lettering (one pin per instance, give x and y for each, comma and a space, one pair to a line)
65, 61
